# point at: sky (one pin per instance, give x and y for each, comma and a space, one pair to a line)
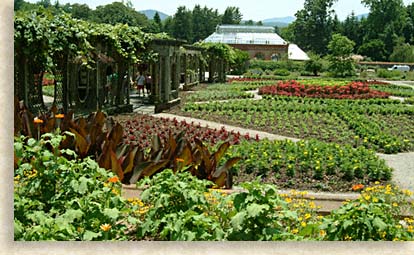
254, 10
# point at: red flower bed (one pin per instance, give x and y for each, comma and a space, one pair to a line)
354, 90
140, 129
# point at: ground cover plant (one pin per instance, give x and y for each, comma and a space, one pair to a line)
372, 123
200, 96
395, 90
308, 165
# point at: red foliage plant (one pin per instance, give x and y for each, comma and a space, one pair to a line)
354, 90
140, 129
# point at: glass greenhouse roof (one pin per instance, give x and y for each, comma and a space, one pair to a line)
246, 35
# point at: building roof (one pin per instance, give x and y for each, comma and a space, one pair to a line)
296, 53
232, 34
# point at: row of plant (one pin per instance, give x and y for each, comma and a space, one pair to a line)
325, 119
140, 129
60, 199
409, 100
395, 90
209, 95
355, 90
307, 165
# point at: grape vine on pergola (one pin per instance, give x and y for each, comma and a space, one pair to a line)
81, 55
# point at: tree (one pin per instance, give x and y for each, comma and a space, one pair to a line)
403, 52
314, 64
353, 29
231, 16
79, 11
340, 49
313, 26
249, 22
386, 22
156, 23
181, 27
117, 12
374, 49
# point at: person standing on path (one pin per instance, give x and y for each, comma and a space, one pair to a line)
140, 83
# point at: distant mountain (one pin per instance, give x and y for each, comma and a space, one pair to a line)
150, 14
279, 21
286, 20
360, 16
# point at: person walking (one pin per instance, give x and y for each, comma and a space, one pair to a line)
140, 83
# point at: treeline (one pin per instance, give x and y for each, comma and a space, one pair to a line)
190, 25
387, 33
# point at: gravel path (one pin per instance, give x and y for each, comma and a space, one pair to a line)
403, 165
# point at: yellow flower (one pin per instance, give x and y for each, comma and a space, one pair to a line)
288, 199
303, 224
295, 231
322, 232
307, 216
395, 204
375, 200
105, 227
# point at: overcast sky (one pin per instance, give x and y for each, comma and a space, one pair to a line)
255, 10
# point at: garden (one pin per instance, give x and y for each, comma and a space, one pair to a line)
70, 172
197, 183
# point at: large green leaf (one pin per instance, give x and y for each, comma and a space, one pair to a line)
254, 210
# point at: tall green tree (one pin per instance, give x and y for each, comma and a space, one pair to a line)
374, 49
231, 16
403, 52
340, 51
182, 26
79, 11
385, 21
313, 26
118, 12
353, 28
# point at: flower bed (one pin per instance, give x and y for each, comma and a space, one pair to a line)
308, 165
140, 129
354, 90
372, 123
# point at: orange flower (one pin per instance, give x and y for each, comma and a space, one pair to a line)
357, 187
59, 116
36, 120
106, 227
113, 179
179, 160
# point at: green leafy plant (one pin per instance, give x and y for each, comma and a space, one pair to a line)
261, 214
60, 199
376, 215
177, 209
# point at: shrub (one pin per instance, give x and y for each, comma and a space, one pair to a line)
281, 72
386, 74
